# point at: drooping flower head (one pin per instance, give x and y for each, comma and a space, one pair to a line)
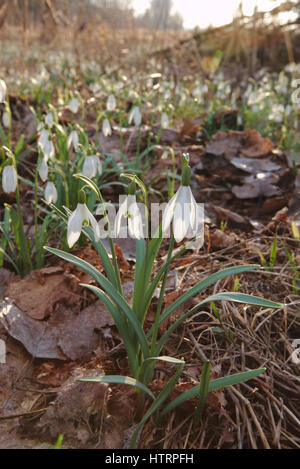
106, 128
79, 218
164, 120
111, 103
9, 178
91, 166
50, 193
3, 90
73, 105
135, 116
182, 210
129, 209
73, 140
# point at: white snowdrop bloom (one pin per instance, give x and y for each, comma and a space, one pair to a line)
106, 128
91, 166
182, 209
288, 110
79, 218
43, 137
3, 90
111, 103
73, 139
164, 156
43, 170
135, 116
49, 150
164, 120
6, 119
133, 95
9, 179
129, 209
96, 89
49, 120
50, 193
73, 105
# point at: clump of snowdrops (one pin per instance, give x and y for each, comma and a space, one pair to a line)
145, 348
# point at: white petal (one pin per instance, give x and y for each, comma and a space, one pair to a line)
75, 225
43, 138
49, 150
111, 103
3, 90
73, 140
121, 213
137, 117
43, 170
135, 223
50, 193
73, 105
94, 224
9, 179
49, 119
169, 213
181, 218
89, 168
164, 120
106, 128
6, 119
98, 165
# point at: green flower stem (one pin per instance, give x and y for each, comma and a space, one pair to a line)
112, 249
161, 295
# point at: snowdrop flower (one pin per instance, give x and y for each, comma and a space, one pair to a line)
135, 116
111, 103
43, 170
43, 136
164, 156
73, 139
182, 209
79, 218
73, 105
6, 119
50, 193
46, 144
3, 90
48, 150
129, 209
106, 128
49, 120
91, 166
9, 179
96, 89
164, 120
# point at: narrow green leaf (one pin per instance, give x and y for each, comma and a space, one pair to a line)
236, 297
204, 284
118, 379
165, 358
203, 391
214, 385
242, 298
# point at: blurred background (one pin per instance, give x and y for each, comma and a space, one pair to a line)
253, 33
